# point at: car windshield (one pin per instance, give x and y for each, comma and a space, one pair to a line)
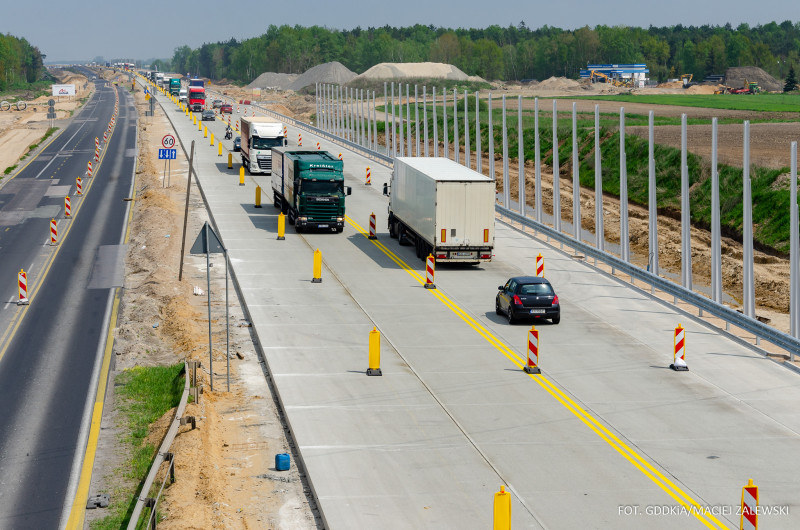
267, 143
322, 187
537, 289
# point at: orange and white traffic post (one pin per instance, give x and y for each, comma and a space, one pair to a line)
285, 131
340, 156
317, 146
299, 139
679, 350
89, 169
430, 264
22, 282
67, 207
532, 366
539, 266
368, 182
53, 232
748, 520
78, 185
372, 234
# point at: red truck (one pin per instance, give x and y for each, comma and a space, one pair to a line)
197, 98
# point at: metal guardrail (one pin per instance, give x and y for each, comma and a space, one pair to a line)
731, 316
375, 155
163, 452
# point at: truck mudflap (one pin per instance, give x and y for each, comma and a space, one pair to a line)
463, 255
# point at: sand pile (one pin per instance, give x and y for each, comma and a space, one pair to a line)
273, 80
334, 72
736, 76
558, 83
423, 70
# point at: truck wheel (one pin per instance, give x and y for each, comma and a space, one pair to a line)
392, 230
339, 229
401, 236
291, 217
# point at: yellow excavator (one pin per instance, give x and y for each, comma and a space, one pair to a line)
687, 80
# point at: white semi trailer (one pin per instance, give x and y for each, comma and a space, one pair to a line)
442, 208
259, 135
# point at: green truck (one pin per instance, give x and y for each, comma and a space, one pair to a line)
175, 86
308, 186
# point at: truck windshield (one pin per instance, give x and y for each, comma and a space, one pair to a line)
322, 187
267, 143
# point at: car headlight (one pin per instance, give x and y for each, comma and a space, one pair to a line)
339, 219
302, 219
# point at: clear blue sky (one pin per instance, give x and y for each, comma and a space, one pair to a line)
143, 29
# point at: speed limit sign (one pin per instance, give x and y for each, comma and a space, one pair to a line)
168, 141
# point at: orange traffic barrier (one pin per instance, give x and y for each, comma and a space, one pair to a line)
79, 186
748, 519
369, 177
372, 234
89, 169
539, 266
67, 207
340, 156
429, 269
22, 282
299, 140
532, 366
53, 232
679, 350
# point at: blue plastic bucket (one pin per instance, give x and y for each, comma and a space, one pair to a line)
282, 462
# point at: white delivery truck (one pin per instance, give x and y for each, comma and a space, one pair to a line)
259, 135
183, 94
442, 208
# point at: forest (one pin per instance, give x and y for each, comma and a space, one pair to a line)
21, 64
505, 53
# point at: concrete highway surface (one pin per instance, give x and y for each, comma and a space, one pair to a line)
50, 350
607, 436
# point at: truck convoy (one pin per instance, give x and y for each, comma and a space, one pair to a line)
308, 186
175, 86
197, 95
159, 78
442, 208
259, 136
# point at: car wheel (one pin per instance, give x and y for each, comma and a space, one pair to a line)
497, 309
510, 315
556, 320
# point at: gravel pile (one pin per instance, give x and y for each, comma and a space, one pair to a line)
335, 73
273, 80
422, 70
735, 77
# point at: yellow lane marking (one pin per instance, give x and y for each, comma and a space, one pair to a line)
78, 510
681, 497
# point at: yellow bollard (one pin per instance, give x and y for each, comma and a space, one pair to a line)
205, 132
241, 176
502, 510
199, 126
230, 160
219, 151
317, 267
281, 226
374, 352
258, 196
212, 140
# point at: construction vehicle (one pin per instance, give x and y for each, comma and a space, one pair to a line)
687, 80
747, 88
601, 75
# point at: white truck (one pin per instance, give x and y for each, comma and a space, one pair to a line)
159, 79
259, 135
442, 208
183, 95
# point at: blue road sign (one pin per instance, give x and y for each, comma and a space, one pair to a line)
167, 154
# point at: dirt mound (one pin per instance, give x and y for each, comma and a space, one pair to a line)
558, 83
737, 76
424, 70
273, 80
334, 72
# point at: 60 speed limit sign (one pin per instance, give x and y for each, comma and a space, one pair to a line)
168, 141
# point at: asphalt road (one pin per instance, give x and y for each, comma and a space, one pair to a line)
49, 360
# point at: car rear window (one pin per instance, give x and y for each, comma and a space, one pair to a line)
540, 289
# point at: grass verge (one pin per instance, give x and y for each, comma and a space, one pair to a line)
144, 394
750, 102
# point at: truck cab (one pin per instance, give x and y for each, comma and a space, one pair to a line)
259, 136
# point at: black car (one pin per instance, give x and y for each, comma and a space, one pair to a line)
237, 143
528, 296
208, 115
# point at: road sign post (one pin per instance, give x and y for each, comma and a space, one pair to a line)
167, 155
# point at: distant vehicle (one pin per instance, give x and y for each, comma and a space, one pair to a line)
442, 208
183, 95
217, 103
237, 143
226, 108
527, 297
175, 86
208, 115
197, 98
259, 135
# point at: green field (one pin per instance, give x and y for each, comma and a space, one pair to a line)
748, 102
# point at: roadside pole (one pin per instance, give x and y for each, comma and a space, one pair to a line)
186, 211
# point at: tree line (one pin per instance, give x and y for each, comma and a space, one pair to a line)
508, 53
20, 63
